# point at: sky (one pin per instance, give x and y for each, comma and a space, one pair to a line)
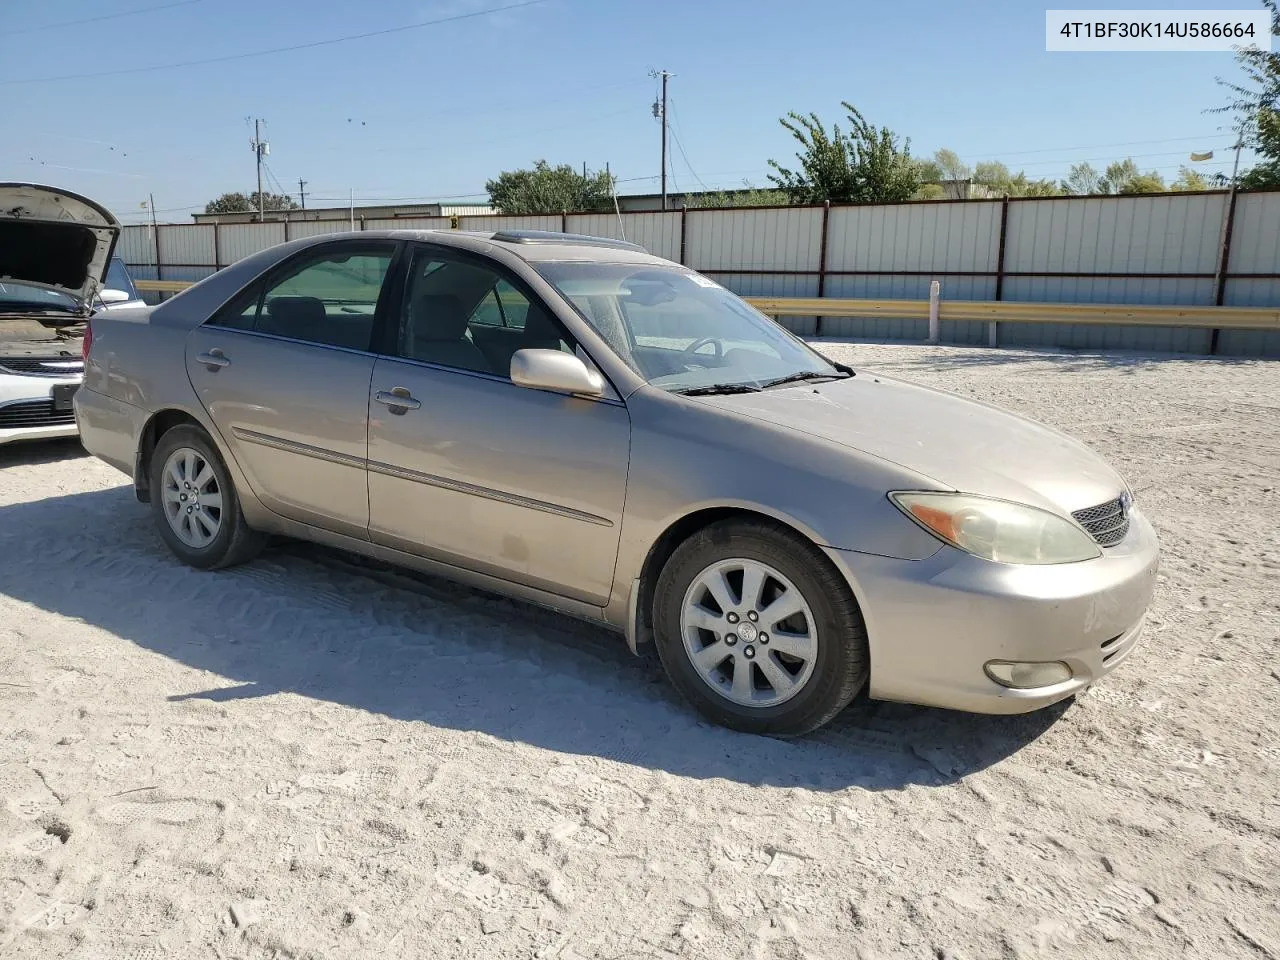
449, 93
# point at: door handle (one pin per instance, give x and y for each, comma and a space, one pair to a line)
399, 400
215, 359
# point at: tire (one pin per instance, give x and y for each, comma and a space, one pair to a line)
828, 637
230, 541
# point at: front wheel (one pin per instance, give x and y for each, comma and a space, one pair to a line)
758, 630
194, 502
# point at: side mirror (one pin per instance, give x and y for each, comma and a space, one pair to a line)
556, 371
113, 296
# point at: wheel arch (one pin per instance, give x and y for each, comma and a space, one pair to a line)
639, 627
157, 425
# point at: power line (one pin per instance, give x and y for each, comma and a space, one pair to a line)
289, 49
99, 19
675, 132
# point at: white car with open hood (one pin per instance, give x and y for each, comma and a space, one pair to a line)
55, 252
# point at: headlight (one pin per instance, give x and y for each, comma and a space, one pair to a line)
997, 529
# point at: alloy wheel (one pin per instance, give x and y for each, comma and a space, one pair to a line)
192, 497
749, 632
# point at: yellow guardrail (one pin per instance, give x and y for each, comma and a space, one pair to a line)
1000, 311
162, 286
1008, 311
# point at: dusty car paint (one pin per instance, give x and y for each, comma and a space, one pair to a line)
573, 518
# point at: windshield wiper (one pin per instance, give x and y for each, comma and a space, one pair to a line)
807, 375
718, 388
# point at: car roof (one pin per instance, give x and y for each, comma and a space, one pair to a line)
530, 245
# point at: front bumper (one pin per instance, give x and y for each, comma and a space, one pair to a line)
933, 623
26, 408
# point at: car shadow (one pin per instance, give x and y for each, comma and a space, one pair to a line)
19, 452
326, 625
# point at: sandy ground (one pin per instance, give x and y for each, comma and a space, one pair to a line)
306, 757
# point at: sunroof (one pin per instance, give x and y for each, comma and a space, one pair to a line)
578, 239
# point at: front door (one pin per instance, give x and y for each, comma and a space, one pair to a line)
468, 468
284, 373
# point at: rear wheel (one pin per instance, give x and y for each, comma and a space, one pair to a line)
758, 630
194, 502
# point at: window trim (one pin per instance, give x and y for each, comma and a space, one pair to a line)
255, 291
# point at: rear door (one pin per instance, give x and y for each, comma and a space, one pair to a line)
284, 372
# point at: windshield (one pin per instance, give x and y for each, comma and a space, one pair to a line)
118, 279
14, 294
681, 331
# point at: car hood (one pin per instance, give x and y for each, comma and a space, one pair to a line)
962, 444
54, 239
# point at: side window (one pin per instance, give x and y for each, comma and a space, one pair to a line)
329, 300
461, 314
503, 306
241, 319
514, 304
489, 313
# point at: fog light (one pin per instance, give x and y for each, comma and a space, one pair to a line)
1027, 676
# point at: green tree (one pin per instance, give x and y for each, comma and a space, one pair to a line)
1121, 176
1118, 173
749, 196
1265, 175
998, 180
1255, 103
951, 166
863, 165
548, 189
248, 203
1189, 179
1082, 179
1144, 183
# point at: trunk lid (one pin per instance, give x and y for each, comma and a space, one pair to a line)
55, 248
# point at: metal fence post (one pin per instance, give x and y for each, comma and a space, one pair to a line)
217, 248
1224, 263
935, 294
822, 263
684, 216
159, 266
993, 327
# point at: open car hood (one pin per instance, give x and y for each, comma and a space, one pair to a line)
55, 239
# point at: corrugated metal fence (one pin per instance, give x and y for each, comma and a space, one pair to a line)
1153, 249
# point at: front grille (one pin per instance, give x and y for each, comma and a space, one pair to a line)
1107, 523
34, 413
39, 366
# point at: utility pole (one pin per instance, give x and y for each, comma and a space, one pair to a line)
1226, 228
660, 111
302, 193
155, 233
260, 149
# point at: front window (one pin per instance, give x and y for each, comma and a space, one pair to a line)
682, 332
